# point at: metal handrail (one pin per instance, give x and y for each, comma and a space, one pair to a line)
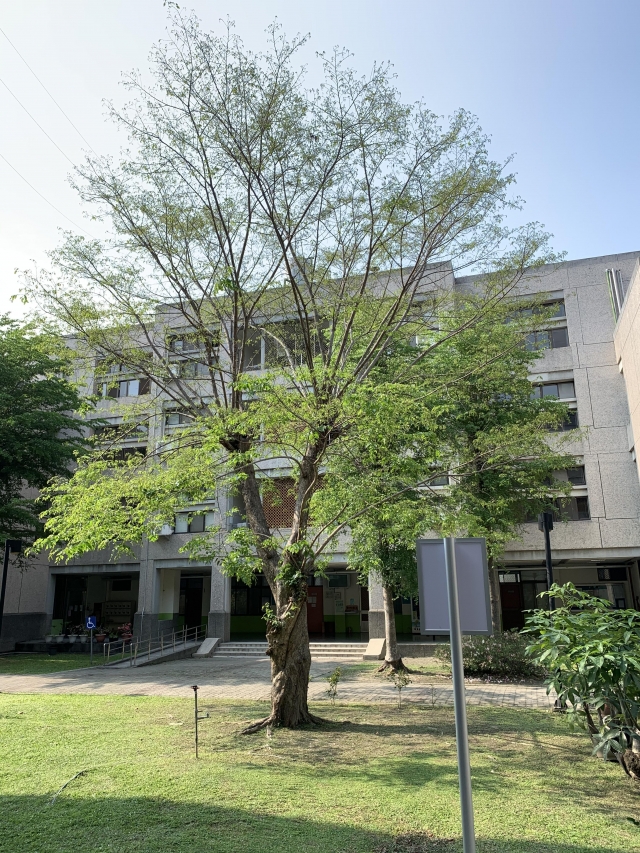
148, 647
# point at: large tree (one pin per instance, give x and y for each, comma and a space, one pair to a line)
39, 432
253, 215
464, 448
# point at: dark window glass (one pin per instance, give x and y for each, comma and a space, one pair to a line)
121, 585
550, 390
567, 390
196, 525
250, 600
576, 476
612, 573
537, 341
559, 338
572, 509
570, 422
443, 480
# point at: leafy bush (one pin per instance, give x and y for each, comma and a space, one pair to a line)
592, 653
502, 655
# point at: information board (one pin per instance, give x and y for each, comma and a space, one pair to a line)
473, 586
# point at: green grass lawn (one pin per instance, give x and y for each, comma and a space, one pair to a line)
27, 664
343, 788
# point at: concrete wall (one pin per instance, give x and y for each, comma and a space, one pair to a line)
613, 488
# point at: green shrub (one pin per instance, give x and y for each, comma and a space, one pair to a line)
592, 653
502, 655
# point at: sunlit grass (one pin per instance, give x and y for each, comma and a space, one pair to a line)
347, 787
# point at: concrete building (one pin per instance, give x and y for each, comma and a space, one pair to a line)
592, 362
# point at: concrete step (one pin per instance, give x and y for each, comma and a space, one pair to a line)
319, 651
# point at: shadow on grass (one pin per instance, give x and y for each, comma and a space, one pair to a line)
112, 825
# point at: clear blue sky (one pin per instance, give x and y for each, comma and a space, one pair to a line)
554, 82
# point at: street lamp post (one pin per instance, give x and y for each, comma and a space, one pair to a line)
11, 546
545, 523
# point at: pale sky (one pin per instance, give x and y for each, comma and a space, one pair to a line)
554, 82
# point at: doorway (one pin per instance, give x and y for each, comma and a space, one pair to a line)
191, 601
315, 609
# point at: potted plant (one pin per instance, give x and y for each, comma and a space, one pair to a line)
99, 634
125, 633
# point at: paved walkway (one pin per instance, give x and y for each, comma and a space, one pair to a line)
249, 678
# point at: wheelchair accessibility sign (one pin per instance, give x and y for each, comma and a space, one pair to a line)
91, 622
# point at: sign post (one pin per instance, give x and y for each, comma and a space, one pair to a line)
90, 624
459, 700
453, 580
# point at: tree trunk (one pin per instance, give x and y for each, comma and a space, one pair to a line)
494, 595
392, 657
288, 648
287, 632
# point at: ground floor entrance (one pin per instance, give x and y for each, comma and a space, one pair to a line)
111, 598
521, 586
337, 608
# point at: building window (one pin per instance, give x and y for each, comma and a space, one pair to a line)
576, 476
612, 573
548, 339
572, 509
560, 390
442, 480
192, 369
125, 388
570, 422
250, 600
172, 419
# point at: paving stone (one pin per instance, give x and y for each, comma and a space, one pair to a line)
249, 678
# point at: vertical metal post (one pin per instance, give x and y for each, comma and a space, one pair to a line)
195, 699
91, 646
545, 523
459, 700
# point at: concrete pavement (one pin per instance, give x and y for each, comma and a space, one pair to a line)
249, 678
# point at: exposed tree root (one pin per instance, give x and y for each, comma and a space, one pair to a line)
273, 721
395, 665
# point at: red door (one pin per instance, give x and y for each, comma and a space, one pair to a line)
512, 606
315, 609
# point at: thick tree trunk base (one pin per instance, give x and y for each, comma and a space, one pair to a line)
630, 762
395, 665
306, 719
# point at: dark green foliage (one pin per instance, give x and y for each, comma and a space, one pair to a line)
503, 655
592, 652
38, 433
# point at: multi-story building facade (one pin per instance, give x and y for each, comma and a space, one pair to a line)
591, 362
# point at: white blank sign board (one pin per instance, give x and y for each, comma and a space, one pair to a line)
473, 586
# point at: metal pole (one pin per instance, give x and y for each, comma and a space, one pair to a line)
547, 557
91, 647
195, 698
459, 701
545, 523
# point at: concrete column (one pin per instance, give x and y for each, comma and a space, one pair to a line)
158, 597
376, 608
219, 621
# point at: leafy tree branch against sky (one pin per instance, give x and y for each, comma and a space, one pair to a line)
554, 83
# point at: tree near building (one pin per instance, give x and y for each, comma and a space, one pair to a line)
268, 244
473, 452
509, 445
39, 432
